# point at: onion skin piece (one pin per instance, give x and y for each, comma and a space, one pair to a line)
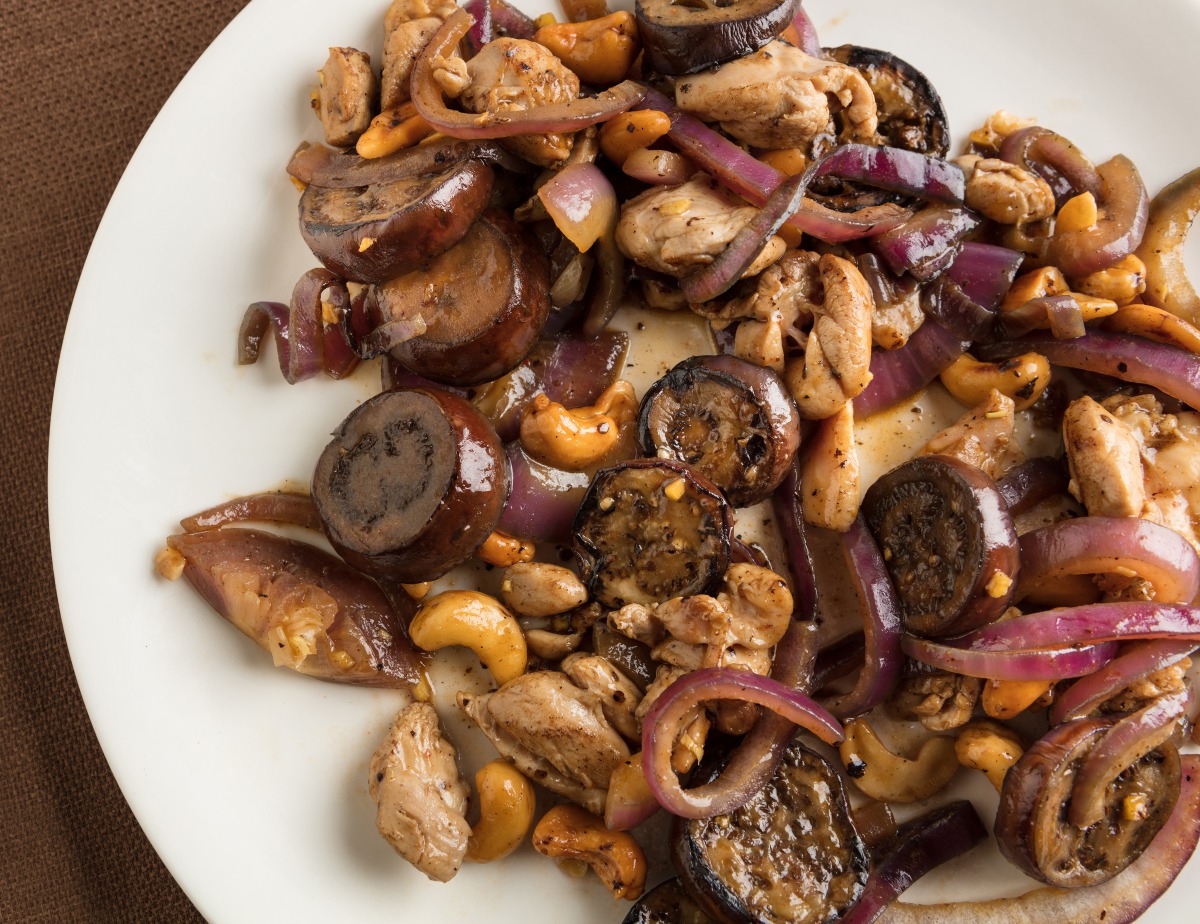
1042, 664
923, 844
365, 627
661, 728
559, 117
1087, 625
1172, 371
543, 501
1137, 661
1032, 482
1171, 215
1125, 211
900, 374
268, 507
1101, 545
582, 203
1121, 900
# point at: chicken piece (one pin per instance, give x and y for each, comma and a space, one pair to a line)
836, 365
562, 723
789, 289
535, 767
983, 437
1140, 693
407, 28
696, 725
779, 97
638, 622
892, 325
1105, 461
678, 229
830, 473
421, 799
346, 95
619, 697
940, 701
513, 75
1004, 192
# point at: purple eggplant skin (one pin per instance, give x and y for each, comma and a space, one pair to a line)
370, 234
411, 485
1031, 825
260, 582
732, 421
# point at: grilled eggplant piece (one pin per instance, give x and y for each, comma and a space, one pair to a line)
301, 605
685, 36
791, 855
948, 541
730, 420
667, 903
1031, 823
649, 530
372, 233
483, 304
411, 484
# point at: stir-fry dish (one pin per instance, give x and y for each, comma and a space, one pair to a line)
698, 599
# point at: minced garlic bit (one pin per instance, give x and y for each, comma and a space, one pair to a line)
998, 585
169, 564
342, 659
366, 244
329, 314
607, 503
1125, 572
674, 489
995, 415
675, 207
1135, 806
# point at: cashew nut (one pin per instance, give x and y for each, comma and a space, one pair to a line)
999, 125
1049, 280
574, 440
570, 831
630, 800
1003, 699
890, 777
1022, 378
1155, 324
990, 747
502, 550
476, 621
829, 473
836, 365
1079, 213
599, 51
506, 803
1122, 282
536, 589
391, 131
1006, 193
623, 134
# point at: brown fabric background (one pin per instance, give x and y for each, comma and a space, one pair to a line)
80, 83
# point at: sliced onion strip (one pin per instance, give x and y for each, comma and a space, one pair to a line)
1137, 660
267, 507
1042, 664
900, 374
1086, 625
582, 204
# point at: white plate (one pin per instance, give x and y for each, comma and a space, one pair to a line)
251, 782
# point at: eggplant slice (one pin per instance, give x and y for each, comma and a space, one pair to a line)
372, 233
791, 855
685, 36
411, 484
732, 421
948, 542
667, 903
649, 530
483, 304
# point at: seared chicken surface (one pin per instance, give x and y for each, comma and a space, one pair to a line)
407, 29
982, 437
346, 96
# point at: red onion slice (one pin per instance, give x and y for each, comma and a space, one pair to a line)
1102, 545
507, 20
1123, 745
927, 243
1042, 664
582, 204
480, 32
1030, 483
1137, 660
1172, 371
923, 844
267, 507
806, 32
896, 169
882, 627
558, 117
1035, 149
1121, 900
1124, 213
1061, 313
985, 272
302, 338
899, 374
794, 530
661, 728
1086, 625
543, 501
608, 287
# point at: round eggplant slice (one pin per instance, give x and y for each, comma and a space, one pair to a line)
483, 304
685, 36
948, 541
730, 420
411, 484
1031, 823
372, 233
911, 116
791, 855
649, 530
667, 903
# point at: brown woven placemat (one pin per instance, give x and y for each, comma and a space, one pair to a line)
80, 83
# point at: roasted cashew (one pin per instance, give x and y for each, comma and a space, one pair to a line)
1155, 324
999, 125
391, 131
1049, 280
1022, 378
1079, 213
836, 365
627, 787
599, 51
576, 439
890, 777
623, 134
506, 803
418, 591
990, 747
1003, 699
573, 832
829, 473
503, 551
476, 621
537, 589
1122, 282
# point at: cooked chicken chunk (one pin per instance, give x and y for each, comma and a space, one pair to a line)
779, 97
511, 75
346, 96
422, 801
1004, 192
1127, 458
407, 28
678, 229
830, 473
940, 700
983, 437
619, 697
892, 325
